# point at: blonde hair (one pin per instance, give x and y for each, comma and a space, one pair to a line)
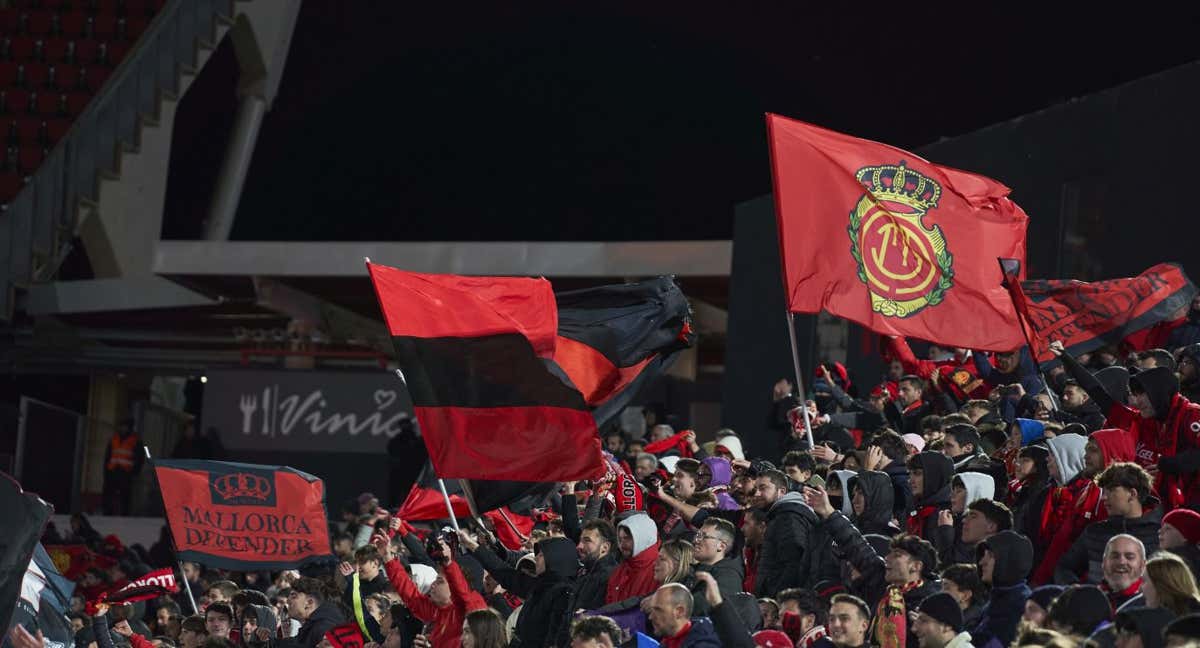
1174, 582
681, 552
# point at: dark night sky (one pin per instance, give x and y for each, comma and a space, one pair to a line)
410, 122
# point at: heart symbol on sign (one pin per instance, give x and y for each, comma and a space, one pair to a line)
384, 398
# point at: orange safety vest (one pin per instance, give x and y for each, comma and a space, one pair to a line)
121, 455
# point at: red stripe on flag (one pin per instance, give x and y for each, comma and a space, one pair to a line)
593, 374
497, 443
427, 504
434, 306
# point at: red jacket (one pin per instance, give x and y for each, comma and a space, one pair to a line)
447, 620
633, 577
1156, 439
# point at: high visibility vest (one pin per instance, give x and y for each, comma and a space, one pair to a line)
121, 453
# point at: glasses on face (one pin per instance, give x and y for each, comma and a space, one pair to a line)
704, 536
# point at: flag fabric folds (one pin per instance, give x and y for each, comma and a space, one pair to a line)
1085, 316
151, 585
24, 515
474, 352
45, 601
884, 238
244, 517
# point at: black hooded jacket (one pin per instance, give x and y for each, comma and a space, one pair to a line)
1083, 562
878, 496
593, 582
1014, 559
549, 597
938, 471
1160, 385
313, 630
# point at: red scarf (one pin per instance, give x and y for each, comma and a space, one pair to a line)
891, 616
916, 520
676, 640
751, 559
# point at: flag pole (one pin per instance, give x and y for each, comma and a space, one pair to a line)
1025, 332
799, 379
171, 535
449, 508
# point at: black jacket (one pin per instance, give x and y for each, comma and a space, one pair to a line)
592, 584
549, 597
902, 497
731, 630
906, 421
1083, 562
729, 573
313, 630
938, 473
878, 494
951, 549
784, 561
1002, 614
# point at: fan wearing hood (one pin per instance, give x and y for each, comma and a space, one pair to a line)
1165, 425
1027, 495
929, 475
840, 494
715, 475
1004, 562
965, 489
546, 614
639, 549
1102, 449
1066, 463
872, 503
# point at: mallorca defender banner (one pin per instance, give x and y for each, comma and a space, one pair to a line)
243, 516
896, 243
1086, 316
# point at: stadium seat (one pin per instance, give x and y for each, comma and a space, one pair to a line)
73, 24
48, 103
39, 23
10, 21
134, 26
27, 130
10, 185
16, 101
104, 26
95, 76
76, 102
116, 53
34, 75
87, 51
8, 73
56, 128
21, 48
56, 50
29, 158
66, 76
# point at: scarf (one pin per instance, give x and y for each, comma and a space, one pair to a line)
676, 640
891, 616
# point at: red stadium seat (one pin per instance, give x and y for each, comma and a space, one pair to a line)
21, 48
16, 101
72, 24
10, 21
104, 26
134, 26
116, 53
10, 186
56, 50
8, 73
66, 76
29, 158
39, 23
86, 51
56, 128
77, 101
35, 75
28, 130
110, 7
95, 76
48, 103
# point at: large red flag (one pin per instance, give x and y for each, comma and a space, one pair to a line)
894, 242
476, 354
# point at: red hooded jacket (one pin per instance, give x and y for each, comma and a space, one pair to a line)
1086, 506
635, 575
447, 620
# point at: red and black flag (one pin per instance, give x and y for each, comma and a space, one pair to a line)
152, 585
475, 355
612, 340
1086, 316
244, 517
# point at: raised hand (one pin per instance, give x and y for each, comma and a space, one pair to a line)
818, 501
345, 569
1057, 348
945, 518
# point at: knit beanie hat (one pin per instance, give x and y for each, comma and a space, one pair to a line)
1045, 595
1080, 608
942, 607
772, 639
1188, 523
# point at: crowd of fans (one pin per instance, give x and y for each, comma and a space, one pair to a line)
964, 499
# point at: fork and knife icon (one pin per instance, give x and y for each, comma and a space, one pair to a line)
250, 404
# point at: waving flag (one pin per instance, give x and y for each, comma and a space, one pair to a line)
900, 245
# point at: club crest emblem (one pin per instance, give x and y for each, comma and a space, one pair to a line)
904, 263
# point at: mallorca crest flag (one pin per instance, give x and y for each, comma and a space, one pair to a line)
244, 517
882, 237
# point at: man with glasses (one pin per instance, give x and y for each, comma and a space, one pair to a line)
714, 543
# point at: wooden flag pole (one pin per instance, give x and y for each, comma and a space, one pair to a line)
799, 379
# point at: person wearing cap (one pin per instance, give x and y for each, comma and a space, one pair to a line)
1180, 534
1079, 610
1004, 561
1037, 606
939, 623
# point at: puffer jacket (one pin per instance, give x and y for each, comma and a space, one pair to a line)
545, 617
878, 495
1083, 562
1002, 614
784, 561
